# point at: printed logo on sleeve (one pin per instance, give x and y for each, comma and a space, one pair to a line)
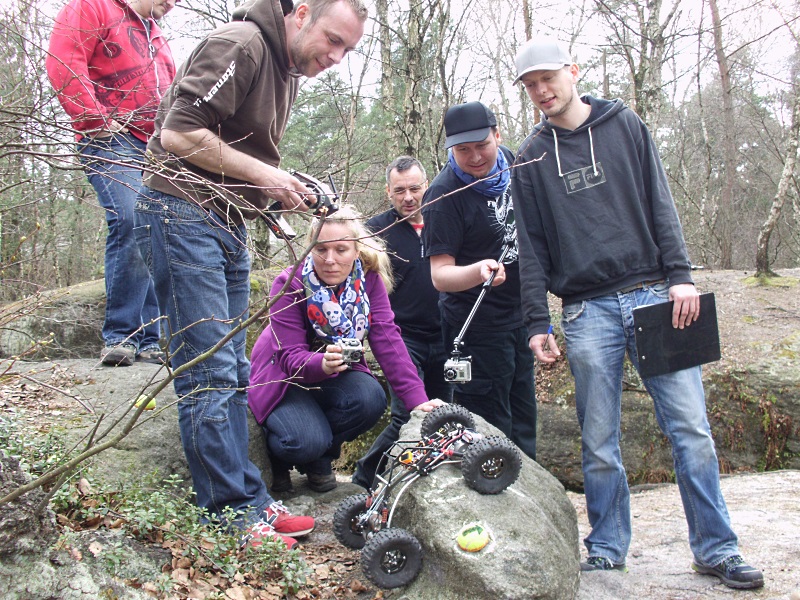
585, 178
225, 76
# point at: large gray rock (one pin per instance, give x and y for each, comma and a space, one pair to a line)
82, 569
61, 323
66, 322
31, 570
110, 392
754, 415
534, 547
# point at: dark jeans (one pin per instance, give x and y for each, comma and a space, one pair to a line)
309, 425
201, 271
428, 355
502, 386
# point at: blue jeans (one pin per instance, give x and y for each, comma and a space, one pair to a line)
598, 334
309, 424
201, 270
428, 356
131, 307
502, 387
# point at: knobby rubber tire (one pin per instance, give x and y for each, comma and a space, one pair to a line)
392, 558
491, 465
345, 521
446, 416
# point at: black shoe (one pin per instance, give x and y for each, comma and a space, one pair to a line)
321, 483
281, 482
601, 563
733, 572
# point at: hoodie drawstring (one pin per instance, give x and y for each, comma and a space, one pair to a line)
591, 149
558, 159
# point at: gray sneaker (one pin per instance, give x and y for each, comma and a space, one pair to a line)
121, 355
734, 572
154, 355
601, 563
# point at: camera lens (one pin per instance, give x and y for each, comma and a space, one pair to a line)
449, 374
356, 356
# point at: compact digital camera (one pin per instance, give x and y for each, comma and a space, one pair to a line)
458, 370
352, 350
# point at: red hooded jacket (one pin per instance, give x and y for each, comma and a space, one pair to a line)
104, 64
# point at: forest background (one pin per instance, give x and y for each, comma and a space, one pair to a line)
717, 83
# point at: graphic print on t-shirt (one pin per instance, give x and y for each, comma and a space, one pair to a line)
501, 215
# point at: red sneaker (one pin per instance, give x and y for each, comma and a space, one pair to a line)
285, 522
263, 530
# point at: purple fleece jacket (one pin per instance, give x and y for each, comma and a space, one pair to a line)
282, 354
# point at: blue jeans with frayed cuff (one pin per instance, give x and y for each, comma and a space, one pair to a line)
599, 332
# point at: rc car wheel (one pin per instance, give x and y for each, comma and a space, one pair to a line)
391, 558
446, 417
345, 521
491, 465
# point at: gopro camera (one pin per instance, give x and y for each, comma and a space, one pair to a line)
352, 350
458, 370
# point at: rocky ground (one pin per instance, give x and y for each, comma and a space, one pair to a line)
764, 509
754, 322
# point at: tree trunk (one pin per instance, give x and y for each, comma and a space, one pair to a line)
789, 166
724, 223
382, 15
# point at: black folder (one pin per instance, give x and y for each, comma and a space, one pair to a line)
663, 349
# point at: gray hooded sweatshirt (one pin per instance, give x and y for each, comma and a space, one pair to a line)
594, 212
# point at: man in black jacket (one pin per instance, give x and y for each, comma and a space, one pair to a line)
414, 299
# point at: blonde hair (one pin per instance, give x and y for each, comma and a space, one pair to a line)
371, 248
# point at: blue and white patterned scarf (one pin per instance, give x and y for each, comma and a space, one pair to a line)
340, 312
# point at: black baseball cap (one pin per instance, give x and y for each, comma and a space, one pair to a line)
465, 123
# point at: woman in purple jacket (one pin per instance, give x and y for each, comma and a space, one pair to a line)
306, 397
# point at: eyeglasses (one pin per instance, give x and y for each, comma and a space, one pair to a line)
400, 193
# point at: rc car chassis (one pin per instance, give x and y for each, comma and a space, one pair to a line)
392, 557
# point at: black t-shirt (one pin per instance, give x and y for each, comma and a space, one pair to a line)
471, 227
414, 299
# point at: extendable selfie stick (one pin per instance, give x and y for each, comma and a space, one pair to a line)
486, 287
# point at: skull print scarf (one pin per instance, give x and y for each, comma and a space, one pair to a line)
338, 312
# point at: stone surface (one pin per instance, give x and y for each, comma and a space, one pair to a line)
110, 392
533, 548
69, 320
25, 526
765, 513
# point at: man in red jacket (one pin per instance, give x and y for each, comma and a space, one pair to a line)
110, 66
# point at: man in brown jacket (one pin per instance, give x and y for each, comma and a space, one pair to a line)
215, 163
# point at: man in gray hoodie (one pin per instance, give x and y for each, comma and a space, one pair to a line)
598, 228
214, 164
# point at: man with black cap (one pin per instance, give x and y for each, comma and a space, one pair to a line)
469, 220
598, 228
